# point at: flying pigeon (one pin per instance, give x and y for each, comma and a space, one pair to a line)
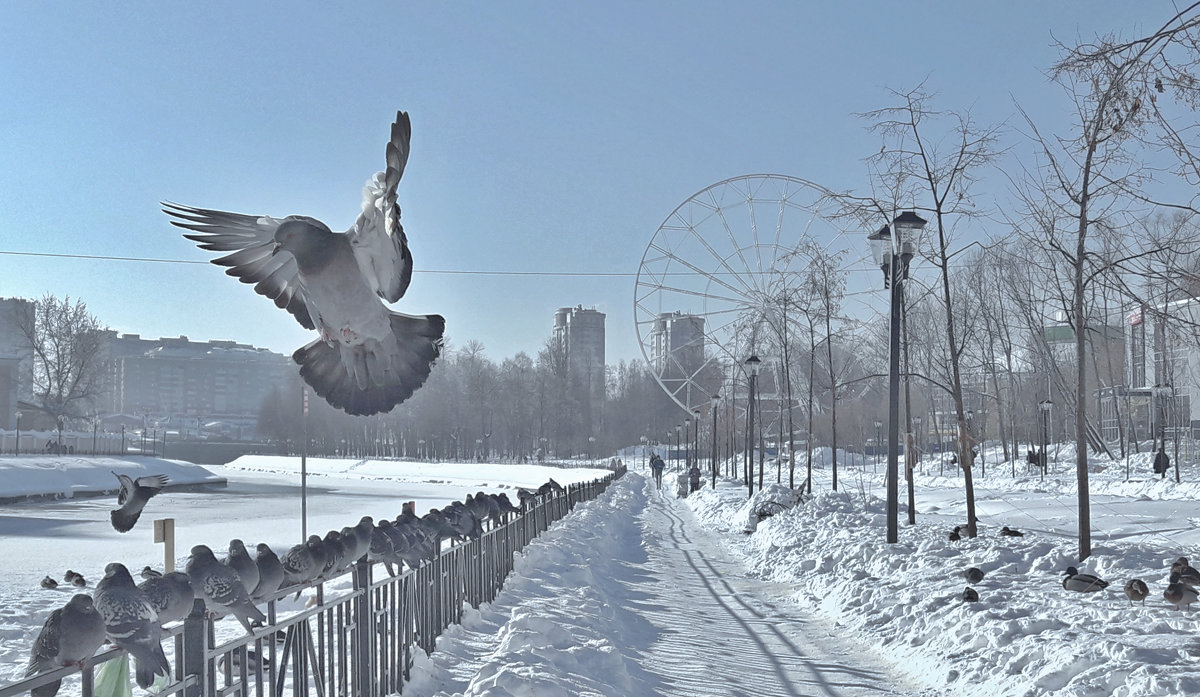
270, 573
69, 637
221, 588
239, 560
131, 622
170, 594
367, 359
132, 498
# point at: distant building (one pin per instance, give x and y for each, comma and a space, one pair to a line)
579, 334
184, 385
677, 346
16, 361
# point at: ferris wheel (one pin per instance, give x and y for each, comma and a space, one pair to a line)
722, 279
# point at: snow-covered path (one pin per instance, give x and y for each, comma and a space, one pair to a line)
724, 633
632, 596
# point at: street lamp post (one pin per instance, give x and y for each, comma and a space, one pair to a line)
1044, 408
591, 446
18, 451
696, 437
878, 443
644, 439
716, 399
675, 460
893, 254
752, 363
917, 437
687, 443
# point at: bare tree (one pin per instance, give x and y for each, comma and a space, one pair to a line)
68, 355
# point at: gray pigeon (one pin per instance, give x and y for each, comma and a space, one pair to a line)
69, 637
270, 573
131, 622
367, 359
132, 498
239, 560
170, 594
221, 588
147, 573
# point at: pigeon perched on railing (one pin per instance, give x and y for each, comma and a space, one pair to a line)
131, 622
170, 594
132, 498
270, 572
239, 560
367, 359
69, 637
221, 588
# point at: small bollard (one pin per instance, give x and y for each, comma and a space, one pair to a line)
164, 532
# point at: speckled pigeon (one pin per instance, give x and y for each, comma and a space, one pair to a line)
170, 594
367, 359
221, 588
270, 573
131, 622
132, 498
69, 637
239, 560
303, 562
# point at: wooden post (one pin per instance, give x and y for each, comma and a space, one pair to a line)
164, 532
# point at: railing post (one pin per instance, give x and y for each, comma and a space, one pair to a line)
193, 652
364, 630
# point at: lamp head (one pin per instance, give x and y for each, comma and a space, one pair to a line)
753, 363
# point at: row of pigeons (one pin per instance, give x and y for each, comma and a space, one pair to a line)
132, 615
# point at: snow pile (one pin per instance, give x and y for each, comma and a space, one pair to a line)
560, 627
66, 476
1025, 636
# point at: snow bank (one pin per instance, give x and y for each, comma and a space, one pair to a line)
568, 630
1025, 636
66, 476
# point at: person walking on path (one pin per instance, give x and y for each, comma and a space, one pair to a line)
694, 477
656, 466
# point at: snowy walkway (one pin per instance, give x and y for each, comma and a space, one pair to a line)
633, 597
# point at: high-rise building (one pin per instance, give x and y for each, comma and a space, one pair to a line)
16, 361
579, 334
677, 346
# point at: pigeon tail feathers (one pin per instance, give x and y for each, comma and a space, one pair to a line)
374, 378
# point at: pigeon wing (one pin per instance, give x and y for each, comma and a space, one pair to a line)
126, 488
377, 238
45, 647
250, 241
154, 482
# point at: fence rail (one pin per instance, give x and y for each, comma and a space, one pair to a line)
359, 642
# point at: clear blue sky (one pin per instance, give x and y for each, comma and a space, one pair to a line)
547, 136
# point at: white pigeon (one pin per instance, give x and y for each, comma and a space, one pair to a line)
367, 359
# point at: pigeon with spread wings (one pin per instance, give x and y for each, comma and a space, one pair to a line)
132, 498
368, 358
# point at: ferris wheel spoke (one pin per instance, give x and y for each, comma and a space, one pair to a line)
719, 259
712, 277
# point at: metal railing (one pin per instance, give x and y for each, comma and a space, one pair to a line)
359, 642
